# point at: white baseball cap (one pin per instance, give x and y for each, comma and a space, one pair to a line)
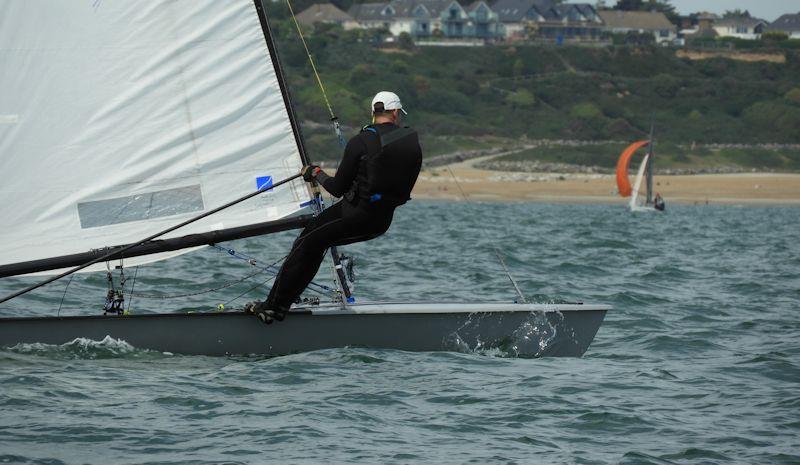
390, 101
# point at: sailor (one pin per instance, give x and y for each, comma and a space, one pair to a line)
376, 175
658, 203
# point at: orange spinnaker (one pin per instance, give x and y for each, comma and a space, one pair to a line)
623, 185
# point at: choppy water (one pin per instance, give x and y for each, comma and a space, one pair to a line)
698, 362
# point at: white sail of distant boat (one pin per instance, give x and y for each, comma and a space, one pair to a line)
637, 184
123, 118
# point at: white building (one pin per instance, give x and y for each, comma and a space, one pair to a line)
743, 27
656, 23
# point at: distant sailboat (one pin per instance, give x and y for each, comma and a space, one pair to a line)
645, 173
128, 117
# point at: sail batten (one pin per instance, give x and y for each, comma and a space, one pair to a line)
131, 116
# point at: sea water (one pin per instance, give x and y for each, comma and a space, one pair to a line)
698, 362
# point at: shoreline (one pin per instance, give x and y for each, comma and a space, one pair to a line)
757, 189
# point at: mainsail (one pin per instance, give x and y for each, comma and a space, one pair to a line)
120, 118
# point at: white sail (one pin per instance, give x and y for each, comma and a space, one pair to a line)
637, 184
119, 118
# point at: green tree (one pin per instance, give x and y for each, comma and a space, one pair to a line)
586, 111
793, 95
519, 67
522, 98
629, 5
737, 13
405, 41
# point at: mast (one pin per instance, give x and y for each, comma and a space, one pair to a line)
649, 171
313, 192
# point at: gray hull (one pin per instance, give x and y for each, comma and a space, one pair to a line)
521, 330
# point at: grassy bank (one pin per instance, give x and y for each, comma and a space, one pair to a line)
459, 95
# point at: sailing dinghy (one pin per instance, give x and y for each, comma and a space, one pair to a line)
123, 118
645, 173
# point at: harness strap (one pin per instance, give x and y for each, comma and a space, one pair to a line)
374, 150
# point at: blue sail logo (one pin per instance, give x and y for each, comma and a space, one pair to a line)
263, 182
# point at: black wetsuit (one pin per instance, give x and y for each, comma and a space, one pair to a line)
355, 218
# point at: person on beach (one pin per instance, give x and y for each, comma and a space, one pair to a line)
378, 170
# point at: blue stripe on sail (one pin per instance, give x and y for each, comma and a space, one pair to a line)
310, 202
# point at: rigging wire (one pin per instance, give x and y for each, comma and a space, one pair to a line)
334, 118
315, 287
495, 248
339, 277
320, 288
64, 294
249, 290
133, 285
214, 289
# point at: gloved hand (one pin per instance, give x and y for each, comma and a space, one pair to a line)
309, 172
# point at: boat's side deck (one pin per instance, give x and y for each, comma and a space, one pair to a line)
444, 307
376, 308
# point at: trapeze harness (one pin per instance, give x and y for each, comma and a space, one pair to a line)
383, 178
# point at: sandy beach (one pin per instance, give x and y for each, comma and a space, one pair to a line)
477, 184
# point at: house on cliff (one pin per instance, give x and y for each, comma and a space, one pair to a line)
789, 24
426, 18
645, 22
741, 27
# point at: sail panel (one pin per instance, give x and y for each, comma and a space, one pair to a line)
120, 118
637, 184
623, 184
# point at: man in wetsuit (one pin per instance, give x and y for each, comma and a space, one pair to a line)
376, 175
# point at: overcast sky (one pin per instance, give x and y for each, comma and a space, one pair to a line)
764, 9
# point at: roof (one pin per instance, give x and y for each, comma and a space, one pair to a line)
512, 11
572, 12
474, 5
786, 23
418, 8
400, 9
322, 13
641, 20
739, 21
368, 11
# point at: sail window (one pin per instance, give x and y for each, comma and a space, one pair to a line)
139, 207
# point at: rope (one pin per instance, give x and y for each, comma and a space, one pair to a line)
254, 262
310, 59
249, 290
207, 291
334, 118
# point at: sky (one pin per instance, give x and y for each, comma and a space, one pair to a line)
764, 9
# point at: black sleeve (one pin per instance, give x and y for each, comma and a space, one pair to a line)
339, 184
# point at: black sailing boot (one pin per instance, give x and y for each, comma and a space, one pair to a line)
267, 312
